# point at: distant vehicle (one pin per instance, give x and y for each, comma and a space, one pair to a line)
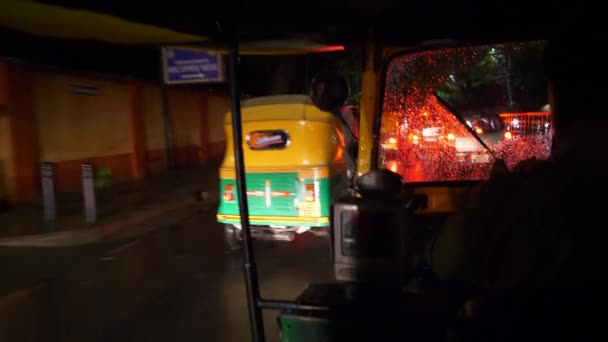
527, 123
389, 142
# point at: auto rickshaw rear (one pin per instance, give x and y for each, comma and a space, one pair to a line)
294, 154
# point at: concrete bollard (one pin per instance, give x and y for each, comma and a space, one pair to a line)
88, 192
49, 200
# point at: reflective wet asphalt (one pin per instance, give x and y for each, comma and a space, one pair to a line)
208, 302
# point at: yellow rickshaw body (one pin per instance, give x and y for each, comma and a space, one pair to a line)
294, 158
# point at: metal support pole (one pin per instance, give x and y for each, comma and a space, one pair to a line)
251, 274
88, 192
47, 175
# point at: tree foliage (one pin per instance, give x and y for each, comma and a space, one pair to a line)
502, 77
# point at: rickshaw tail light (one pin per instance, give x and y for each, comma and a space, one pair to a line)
228, 193
309, 194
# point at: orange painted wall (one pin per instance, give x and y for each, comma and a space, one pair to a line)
74, 129
70, 129
6, 167
5, 153
154, 128
217, 106
23, 181
152, 108
137, 127
75, 126
185, 117
3, 85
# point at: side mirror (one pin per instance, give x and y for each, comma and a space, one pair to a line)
380, 183
329, 92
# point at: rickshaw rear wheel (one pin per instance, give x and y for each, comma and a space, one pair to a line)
233, 236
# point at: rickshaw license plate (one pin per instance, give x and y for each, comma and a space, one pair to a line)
309, 209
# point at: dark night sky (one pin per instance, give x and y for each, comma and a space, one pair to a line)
140, 62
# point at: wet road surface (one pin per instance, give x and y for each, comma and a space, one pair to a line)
208, 301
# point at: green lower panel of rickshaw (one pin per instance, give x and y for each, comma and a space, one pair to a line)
279, 199
320, 327
371, 313
375, 325
301, 328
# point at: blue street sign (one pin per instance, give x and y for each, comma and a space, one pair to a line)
187, 65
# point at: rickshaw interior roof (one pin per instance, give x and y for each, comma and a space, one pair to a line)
302, 24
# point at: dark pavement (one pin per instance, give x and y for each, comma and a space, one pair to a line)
127, 211
155, 268
208, 302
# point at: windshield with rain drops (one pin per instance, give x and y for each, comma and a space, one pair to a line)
439, 104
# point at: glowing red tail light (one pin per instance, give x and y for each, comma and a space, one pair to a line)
228, 193
309, 194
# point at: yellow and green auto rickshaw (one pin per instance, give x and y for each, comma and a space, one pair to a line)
294, 155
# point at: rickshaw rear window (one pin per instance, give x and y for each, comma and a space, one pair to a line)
436, 103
